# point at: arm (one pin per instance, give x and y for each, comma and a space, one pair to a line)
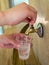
18, 14
21, 12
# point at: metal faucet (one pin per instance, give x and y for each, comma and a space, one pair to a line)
39, 30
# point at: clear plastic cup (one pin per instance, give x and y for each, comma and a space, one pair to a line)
24, 49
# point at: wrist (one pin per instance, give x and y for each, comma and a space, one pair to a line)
2, 18
5, 21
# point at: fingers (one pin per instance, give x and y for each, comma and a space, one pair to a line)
7, 41
13, 41
31, 18
32, 15
10, 45
33, 9
18, 35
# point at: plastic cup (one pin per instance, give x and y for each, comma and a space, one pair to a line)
24, 49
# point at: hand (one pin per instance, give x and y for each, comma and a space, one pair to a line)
10, 41
21, 12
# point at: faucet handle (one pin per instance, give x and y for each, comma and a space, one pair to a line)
27, 29
39, 30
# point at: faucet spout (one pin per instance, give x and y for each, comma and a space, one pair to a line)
23, 30
28, 29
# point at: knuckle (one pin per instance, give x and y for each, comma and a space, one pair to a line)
25, 6
27, 9
24, 3
36, 12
